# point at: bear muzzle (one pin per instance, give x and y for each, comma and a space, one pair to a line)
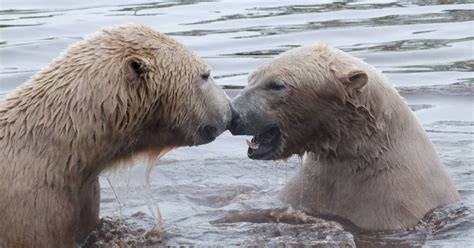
266, 138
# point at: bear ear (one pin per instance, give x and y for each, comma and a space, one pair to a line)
136, 67
353, 81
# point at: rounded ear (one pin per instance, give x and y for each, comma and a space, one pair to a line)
353, 81
136, 68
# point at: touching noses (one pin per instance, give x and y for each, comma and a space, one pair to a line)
235, 118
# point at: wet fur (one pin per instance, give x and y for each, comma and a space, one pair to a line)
86, 112
368, 158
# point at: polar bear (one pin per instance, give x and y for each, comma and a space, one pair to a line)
368, 158
122, 92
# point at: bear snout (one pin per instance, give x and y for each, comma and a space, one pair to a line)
237, 126
245, 124
247, 116
234, 120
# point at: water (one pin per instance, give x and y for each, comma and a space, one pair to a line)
424, 47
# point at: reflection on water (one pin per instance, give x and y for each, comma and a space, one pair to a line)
424, 47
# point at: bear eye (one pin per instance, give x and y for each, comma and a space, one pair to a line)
276, 85
205, 76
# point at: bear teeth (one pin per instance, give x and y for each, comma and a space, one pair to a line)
252, 145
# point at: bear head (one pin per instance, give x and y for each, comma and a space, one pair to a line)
126, 90
305, 99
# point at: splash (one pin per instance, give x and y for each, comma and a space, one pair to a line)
119, 182
117, 198
158, 230
115, 178
303, 182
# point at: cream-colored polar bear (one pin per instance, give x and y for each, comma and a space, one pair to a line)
123, 91
368, 158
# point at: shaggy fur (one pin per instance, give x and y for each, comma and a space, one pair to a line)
123, 91
368, 158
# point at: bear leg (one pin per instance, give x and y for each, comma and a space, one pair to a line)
89, 201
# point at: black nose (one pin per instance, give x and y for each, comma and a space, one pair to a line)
235, 119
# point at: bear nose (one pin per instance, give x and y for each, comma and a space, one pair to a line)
235, 118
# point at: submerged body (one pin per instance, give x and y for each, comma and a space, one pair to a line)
124, 91
368, 158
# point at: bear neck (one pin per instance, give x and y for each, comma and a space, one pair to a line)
366, 131
388, 181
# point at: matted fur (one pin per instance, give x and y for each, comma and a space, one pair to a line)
368, 158
123, 91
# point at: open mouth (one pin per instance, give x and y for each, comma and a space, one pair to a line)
264, 143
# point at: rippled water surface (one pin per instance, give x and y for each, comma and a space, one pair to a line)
424, 47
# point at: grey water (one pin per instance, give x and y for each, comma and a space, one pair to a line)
425, 48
